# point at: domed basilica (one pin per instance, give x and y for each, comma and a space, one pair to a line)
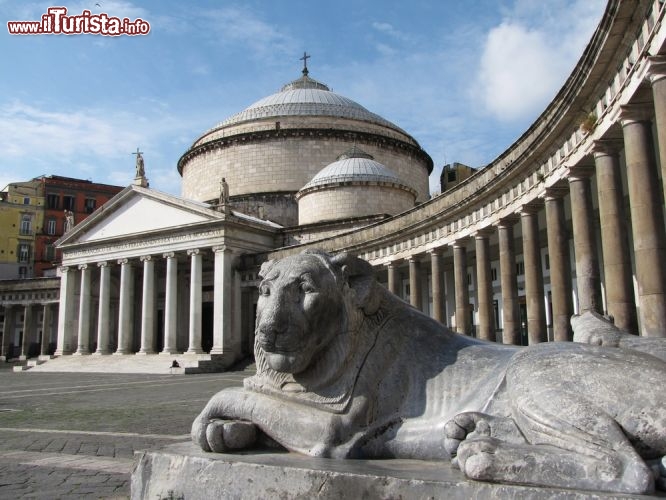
569, 218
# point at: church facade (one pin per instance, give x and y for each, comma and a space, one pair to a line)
569, 218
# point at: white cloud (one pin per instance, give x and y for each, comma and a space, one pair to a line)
527, 57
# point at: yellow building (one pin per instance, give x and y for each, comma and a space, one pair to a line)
21, 217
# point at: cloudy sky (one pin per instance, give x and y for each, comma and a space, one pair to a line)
464, 78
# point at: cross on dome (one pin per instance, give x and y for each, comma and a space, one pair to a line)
305, 63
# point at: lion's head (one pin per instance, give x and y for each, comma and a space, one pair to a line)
306, 302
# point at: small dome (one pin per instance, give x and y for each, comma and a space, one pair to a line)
306, 96
355, 166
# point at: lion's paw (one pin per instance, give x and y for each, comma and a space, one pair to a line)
220, 436
227, 435
473, 425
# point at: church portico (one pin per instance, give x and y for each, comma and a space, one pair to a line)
170, 289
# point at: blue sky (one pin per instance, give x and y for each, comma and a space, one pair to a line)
465, 79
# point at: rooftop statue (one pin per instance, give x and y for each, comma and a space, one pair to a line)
345, 369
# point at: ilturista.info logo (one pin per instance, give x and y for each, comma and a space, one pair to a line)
56, 22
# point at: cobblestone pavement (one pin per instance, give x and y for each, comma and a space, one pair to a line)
74, 435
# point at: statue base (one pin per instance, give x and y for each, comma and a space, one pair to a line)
184, 471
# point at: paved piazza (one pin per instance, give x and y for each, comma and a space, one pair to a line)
66, 435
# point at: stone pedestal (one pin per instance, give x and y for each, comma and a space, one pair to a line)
183, 471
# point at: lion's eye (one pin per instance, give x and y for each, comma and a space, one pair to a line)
307, 288
264, 290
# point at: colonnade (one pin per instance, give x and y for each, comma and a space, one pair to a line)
606, 263
137, 317
33, 331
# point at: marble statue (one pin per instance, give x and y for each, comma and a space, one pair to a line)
345, 369
69, 221
224, 192
140, 166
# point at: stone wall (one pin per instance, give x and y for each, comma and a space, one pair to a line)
340, 202
284, 165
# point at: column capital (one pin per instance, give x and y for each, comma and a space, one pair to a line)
414, 258
531, 208
83, 267
393, 263
193, 251
579, 173
64, 269
605, 147
508, 221
435, 251
485, 232
146, 258
555, 193
221, 248
123, 262
104, 263
655, 69
635, 113
459, 243
169, 255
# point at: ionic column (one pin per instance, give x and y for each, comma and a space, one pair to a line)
484, 286
656, 74
84, 312
125, 307
560, 264
66, 311
7, 331
508, 282
171, 304
588, 281
47, 312
620, 301
393, 277
647, 222
195, 302
436, 283
28, 325
534, 294
103, 314
222, 302
148, 306
462, 289
414, 283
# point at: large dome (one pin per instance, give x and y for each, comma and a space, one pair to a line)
269, 151
306, 96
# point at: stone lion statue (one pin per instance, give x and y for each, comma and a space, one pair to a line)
345, 369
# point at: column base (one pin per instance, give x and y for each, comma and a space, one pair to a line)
44, 357
23, 357
121, 353
3, 358
101, 353
81, 353
194, 351
145, 353
169, 353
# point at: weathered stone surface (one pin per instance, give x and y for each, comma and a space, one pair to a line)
187, 472
347, 370
592, 328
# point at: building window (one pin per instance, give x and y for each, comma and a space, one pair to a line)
23, 252
90, 205
493, 274
547, 261
68, 202
23, 273
49, 252
451, 176
52, 201
26, 201
26, 224
51, 226
520, 268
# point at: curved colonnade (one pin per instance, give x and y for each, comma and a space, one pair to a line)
569, 218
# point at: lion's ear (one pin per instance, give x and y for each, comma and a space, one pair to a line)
360, 276
266, 268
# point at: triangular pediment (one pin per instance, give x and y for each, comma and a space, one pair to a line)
138, 210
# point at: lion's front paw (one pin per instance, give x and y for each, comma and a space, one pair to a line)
472, 425
220, 436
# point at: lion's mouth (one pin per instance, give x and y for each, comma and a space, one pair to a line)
273, 345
